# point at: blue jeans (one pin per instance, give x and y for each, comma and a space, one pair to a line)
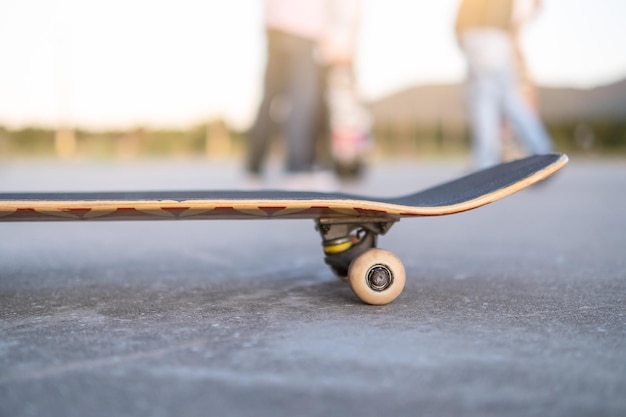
493, 95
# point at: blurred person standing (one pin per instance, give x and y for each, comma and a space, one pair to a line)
304, 37
485, 30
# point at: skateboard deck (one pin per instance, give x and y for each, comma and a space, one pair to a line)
463, 194
348, 224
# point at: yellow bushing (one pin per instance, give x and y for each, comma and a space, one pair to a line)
337, 248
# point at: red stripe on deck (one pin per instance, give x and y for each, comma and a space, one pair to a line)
125, 212
369, 211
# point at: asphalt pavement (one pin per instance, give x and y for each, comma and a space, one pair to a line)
514, 309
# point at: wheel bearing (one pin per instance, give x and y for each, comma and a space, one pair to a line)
379, 277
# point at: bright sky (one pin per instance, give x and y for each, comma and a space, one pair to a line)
127, 63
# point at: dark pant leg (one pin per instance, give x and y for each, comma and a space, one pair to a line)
303, 123
261, 132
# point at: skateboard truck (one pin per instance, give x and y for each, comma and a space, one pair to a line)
345, 239
375, 275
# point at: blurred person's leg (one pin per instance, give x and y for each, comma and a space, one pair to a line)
261, 132
526, 123
485, 119
302, 125
487, 51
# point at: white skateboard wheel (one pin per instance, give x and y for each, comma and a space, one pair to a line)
377, 276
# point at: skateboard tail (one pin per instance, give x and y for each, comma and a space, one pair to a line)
482, 187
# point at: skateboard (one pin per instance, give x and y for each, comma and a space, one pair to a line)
348, 224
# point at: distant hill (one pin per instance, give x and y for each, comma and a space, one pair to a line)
445, 104
606, 102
